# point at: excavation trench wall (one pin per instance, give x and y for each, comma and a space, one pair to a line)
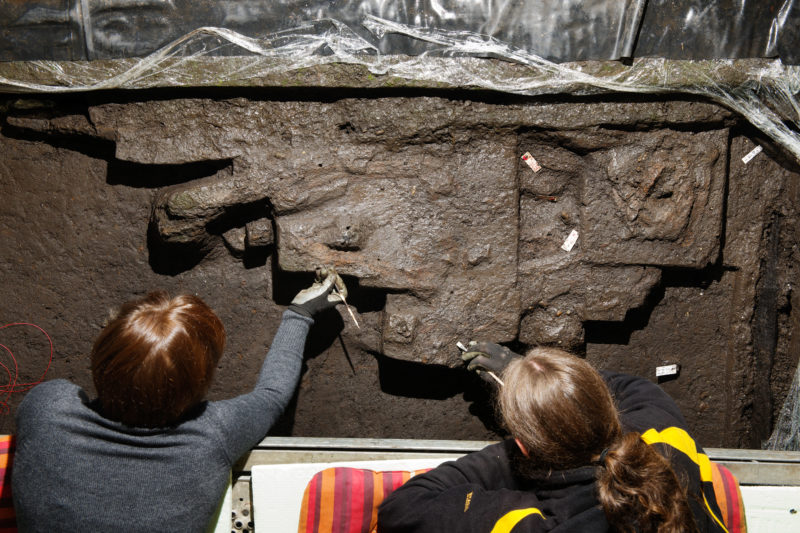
422, 200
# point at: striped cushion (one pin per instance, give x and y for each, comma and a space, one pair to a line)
729, 498
8, 518
345, 500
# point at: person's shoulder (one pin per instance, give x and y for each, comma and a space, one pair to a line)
53, 387
494, 458
501, 449
50, 395
495, 450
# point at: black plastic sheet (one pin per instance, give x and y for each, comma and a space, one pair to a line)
719, 29
557, 30
764, 92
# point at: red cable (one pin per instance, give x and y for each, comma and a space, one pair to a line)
12, 385
4, 402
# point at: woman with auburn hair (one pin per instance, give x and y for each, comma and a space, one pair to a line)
589, 451
149, 454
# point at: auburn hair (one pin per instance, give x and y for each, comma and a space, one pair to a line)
155, 360
562, 412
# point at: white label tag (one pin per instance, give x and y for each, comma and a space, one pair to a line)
528, 158
754, 152
570, 242
666, 370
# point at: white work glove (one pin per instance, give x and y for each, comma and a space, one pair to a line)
321, 295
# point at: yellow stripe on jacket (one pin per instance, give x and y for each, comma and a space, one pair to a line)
512, 518
681, 441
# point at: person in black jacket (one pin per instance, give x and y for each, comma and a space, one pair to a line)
590, 451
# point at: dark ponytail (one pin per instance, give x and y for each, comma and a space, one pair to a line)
639, 491
560, 409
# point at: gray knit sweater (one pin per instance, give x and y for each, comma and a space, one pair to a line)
75, 470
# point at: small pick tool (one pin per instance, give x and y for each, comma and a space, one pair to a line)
352, 315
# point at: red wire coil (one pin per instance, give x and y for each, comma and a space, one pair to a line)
12, 385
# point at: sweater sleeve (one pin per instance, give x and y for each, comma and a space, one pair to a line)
243, 421
642, 404
473, 493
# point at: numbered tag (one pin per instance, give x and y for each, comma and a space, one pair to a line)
666, 370
751, 154
570, 242
528, 158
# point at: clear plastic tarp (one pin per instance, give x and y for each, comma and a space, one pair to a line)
557, 30
764, 92
786, 435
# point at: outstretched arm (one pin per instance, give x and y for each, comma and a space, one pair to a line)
642, 403
245, 420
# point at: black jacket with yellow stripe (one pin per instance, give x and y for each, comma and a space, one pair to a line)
481, 492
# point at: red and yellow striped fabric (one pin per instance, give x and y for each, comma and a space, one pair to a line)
345, 500
729, 498
8, 518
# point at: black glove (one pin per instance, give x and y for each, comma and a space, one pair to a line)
321, 294
488, 356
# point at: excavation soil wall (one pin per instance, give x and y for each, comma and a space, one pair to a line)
443, 228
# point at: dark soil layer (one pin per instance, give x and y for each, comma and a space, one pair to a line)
685, 253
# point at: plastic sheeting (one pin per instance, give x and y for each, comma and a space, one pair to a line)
765, 95
557, 30
786, 435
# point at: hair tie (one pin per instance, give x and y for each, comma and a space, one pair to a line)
601, 461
